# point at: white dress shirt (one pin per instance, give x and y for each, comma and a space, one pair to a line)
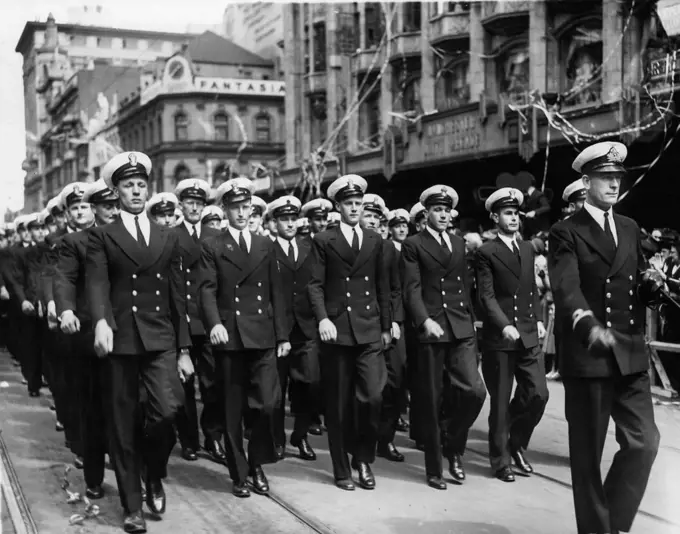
285, 244
598, 215
347, 231
509, 241
246, 235
397, 245
438, 237
144, 223
190, 228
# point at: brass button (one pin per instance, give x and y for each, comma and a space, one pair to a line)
188, 283
236, 286
259, 284
459, 278
134, 293
188, 270
188, 297
630, 277
134, 276
515, 308
238, 312
259, 311
630, 292
349, 308
134, 308
609, 295
368, 307
609, 281
630, 307
445, 305
442, 279
158, 275
158, 308
259, 297
349, 294
461, 304
367, 293
366, 278
609, 310
632, 322
158, 292
443, 292
346, 279
609, 324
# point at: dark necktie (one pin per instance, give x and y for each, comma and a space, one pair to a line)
608, 228
443, 242
242, 242
515, 249
140, 236
194, 234
355, 242
291, 253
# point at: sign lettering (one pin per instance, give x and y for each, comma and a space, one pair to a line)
452, 136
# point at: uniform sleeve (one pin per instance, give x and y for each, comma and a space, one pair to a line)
65, 277
207, 288
566, 282
281, 327
317, 297
487, 295
97, 276
396, 301
178, 298
16, 277
384, 288
413, 294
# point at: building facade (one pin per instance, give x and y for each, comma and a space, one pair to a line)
453, 91
52, 55
256, 26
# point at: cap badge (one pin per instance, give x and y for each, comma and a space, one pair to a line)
287, 201
613, 155
197, 185
132, 158
512, 194
350, 183
76, 190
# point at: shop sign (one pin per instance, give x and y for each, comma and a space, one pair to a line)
452, 136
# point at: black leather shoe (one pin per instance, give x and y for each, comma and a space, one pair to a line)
315, 429
436, 482
366, 478
305, 449
134, 522
58, 427
420, 446
456, 469
524, 468
280, 452
78, 462
260, 483
402, 426
155, 496
240, 490
189, 454
215, 450
94, 493
505, 474
143, 491
390, 452
34, 394
346, 484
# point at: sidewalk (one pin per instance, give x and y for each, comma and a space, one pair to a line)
200, 500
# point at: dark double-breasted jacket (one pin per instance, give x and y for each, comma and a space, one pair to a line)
506, 287
137, 288
597, 283
351, 290
243, 292
190, 251
68, 280
437, 286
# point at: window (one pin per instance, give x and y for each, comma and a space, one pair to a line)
411, 16
152, 138
263, 129
320, 47
144, 145
513, 75
221, 125
581, 50
123, 43
182, 172
160, 129
374, 27
408, 94
369, 121
452, 88
220, 174
181, 126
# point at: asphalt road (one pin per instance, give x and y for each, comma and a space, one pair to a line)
304, 499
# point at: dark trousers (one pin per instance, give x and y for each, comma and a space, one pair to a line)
352, 379
212, 418
251, 383
449, 384
32, 351
89, 402
512, 422
589, 403
394, 392
412, 347
121, 380
299, 376
13, 341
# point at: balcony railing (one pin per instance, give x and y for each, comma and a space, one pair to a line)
506, 17
365, 59
405, 44
449, 27
491, 9
315, 82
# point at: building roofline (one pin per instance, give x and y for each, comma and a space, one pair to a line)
33, 26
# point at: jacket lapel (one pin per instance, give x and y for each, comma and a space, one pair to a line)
304, 249
623, 248
232, 252
341, 247
283, 257
431, 245
592, 233
257, 254
507, 257
157, 239
126, 242
368, 243
190, 248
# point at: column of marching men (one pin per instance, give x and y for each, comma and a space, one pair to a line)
122, 301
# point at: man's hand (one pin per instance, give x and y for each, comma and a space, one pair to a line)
40, 310
395, 331
541, 330
69, 322
432, 329
283, 349
327, 331
511, 333
27, 308
4, 294
386, 338
103, 338
185, 367
219, 335
52, 315
601, 337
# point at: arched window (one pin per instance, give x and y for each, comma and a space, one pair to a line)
220, 174
263, 128
452, 88
181, 126
221, 125
513, 74
581, 60
182, 172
